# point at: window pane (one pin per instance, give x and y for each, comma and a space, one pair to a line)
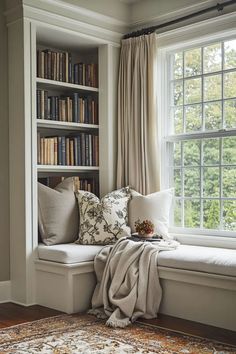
178, 65
230, 54
212, 87
213, 115
192, 182
230, 113
191, 152
229, 151
177, 182
177, 154
193, 118
211, 181
192, 62
178, 93
229, 178
178, 120
229, 215
212, 58
192, 213
193, 92
177, 213
211, 152
230, 85
211, 214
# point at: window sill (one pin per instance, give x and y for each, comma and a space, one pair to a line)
204, 240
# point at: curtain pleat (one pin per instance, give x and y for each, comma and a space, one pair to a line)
138, 162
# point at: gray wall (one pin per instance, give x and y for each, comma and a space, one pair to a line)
4, 153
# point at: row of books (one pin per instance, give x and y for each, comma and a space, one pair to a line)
57, 65
71, 108
81, 150
81, 183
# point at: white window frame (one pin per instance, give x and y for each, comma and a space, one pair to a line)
177, 40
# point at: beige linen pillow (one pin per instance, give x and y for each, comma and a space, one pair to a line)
58, 213
154, 207
103, 222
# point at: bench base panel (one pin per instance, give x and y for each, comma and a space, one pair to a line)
194, 296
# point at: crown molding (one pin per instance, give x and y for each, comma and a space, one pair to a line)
69, 16
157, 20
210, 29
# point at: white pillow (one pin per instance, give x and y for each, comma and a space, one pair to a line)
103, 222
154, 207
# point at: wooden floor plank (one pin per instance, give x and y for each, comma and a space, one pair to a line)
12, 314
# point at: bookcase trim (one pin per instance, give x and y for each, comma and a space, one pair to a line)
64, 169
46, 83
46, 123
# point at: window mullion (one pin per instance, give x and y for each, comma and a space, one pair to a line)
221, 184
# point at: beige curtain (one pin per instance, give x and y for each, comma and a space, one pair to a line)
138, 154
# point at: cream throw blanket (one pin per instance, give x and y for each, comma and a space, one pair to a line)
128, 284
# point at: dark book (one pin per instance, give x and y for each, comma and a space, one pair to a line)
45, 98
87, 148
75, 107
63, 150
38, 99
80, 74
79, 150
60, 160
70, 74
83, 156
76, 74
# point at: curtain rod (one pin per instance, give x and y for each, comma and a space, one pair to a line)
219, 7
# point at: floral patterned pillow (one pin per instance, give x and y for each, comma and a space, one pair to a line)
103, 222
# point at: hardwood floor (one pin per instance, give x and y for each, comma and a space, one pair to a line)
12, 314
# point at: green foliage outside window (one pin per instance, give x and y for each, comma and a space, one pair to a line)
204, 100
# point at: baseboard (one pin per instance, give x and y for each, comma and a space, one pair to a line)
22, 303
5, 291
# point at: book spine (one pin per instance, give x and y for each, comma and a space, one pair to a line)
59, 142
49, 63
38, 99
70, 68
76, 74
86, 150
75, 152
38, 149
72, 161
63, 150
67, 151
79, 150
55, 151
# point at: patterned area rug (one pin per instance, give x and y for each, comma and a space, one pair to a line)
70, 334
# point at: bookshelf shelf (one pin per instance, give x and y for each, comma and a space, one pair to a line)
64, 169
60, 85
45, 123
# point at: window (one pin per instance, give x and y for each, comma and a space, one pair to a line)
201, 136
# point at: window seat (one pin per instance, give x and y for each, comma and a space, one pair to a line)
199, 283
197, 258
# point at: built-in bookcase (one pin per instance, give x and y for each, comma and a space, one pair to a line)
67, 115
87, 45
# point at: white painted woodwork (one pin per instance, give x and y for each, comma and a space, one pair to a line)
57, 168
108, 83
195, 296
52, 84
5, 291
4, 153
52, 124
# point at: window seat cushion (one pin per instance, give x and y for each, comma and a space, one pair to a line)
202, 259
197, 258
68, 253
